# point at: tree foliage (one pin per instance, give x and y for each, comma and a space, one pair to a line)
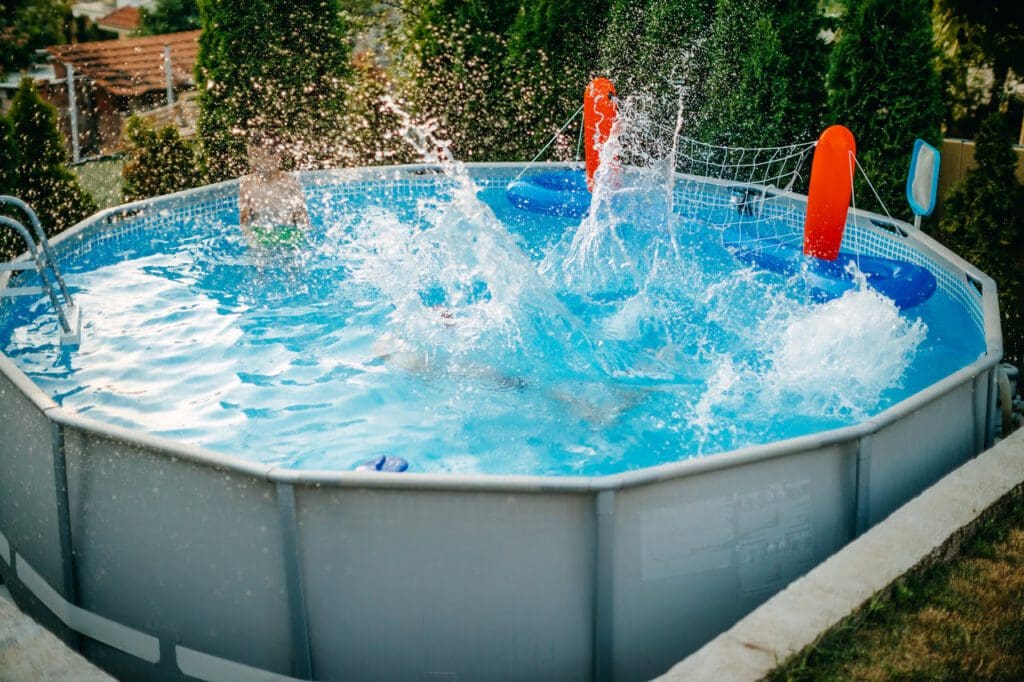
453, 70
553, 51
981, 58
158, 161
170, 16
43, 178
996, 29
9, 161
984, 223
30, 25
654, 47
765, 81
276, 68
370, 129
9, 157
884, 87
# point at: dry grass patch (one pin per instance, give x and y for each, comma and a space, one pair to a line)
958, 621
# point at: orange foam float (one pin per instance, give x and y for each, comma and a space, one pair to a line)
599, 113
828, 200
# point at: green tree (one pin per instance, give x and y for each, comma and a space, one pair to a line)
655, 47
554, 48
44, 181
170, 16
30, 25
978, 38
884, 87
623, 47
9, 157
454, 70
746, 94
996, 29
158, 161
370, 130
799, 23
984, 223
10, 244
276, 68
765, 81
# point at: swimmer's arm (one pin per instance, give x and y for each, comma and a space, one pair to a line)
300, 215
244, 201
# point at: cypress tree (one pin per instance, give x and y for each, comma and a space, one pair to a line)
765, 80
271, 67
44, 181
623, 46
653, 48
454, 71
746, 95
310, 72
553, 49
9, 158
159, 161
799, 24
230, 64
10, 244
370, 130
884, 87
984, 223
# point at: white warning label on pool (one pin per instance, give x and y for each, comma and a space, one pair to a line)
764, 535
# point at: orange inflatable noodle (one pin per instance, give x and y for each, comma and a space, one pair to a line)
828, 199
599, 112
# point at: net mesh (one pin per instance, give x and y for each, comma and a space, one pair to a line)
739, 190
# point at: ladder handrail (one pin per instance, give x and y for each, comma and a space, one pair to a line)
43, 241
40, 262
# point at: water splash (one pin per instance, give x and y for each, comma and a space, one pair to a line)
833, 362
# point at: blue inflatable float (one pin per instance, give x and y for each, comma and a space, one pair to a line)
385, 463
560, 193
906, 284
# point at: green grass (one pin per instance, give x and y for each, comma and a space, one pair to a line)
101, 179
962, 620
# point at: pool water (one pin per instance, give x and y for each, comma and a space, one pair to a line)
445, 326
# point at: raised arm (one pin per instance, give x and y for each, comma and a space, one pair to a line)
245, 201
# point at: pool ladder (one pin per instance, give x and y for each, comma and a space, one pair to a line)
41, 259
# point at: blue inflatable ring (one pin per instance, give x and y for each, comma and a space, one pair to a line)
905, 283
561, 193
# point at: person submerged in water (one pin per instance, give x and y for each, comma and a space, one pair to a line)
271, 205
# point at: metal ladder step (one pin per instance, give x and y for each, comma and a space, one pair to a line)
42, 261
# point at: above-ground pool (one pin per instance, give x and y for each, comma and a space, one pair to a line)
621, 437
466, 335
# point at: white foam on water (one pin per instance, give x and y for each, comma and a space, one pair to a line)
832, 360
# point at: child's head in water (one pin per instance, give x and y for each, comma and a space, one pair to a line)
264, 155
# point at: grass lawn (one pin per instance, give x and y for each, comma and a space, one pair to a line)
101, 179
958, 621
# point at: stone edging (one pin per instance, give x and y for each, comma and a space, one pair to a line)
929, 528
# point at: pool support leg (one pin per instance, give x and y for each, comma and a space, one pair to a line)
604, 555
862, 493
67, 555
302, 654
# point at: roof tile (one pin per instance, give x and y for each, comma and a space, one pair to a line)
133, 66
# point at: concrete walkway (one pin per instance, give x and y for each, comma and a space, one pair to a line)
927, 528
30, 653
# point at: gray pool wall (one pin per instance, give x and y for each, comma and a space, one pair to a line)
162, 560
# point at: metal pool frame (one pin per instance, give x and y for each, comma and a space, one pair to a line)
160, 560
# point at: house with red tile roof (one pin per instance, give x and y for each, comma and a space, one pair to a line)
116, 78
123, 21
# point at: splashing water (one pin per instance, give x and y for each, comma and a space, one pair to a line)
448, 327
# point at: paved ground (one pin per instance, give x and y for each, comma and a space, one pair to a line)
30, 653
